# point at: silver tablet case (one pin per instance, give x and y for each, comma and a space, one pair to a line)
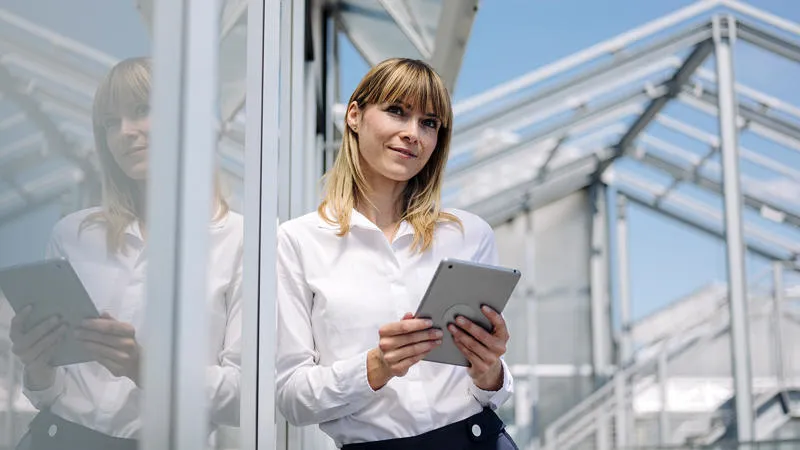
53, 287
461, 288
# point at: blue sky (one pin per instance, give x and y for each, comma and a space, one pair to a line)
512, 37
509, 38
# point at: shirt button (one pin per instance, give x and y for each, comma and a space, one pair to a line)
52, 430
476, 430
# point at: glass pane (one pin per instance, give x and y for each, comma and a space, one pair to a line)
75, 160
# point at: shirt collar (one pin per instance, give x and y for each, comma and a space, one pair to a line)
358, 220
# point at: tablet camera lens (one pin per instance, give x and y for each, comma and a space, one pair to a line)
450, 266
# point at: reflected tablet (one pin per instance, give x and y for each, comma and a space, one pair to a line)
53, 289
460, 288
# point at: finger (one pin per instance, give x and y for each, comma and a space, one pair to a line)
404, 327
403, 367
410, 351
46, 356
108, 326
476, 363
497, 321
476, 331
26, 340
99, 351
116, 342
477, 348
46, 342
390, 343
19, 319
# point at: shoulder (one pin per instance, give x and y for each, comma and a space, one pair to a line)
70, 226
473, 225
303, 225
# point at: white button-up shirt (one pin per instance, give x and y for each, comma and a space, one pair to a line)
334, 293
87, 393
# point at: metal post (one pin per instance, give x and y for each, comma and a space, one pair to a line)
777, 322
663, 380
599, 282
297, 85
625, 323
183, 141
724, 29
258, 415
532, 399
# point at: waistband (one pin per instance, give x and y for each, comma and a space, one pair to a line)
479, 431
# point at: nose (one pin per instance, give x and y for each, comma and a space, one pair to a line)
128, 126
411, 132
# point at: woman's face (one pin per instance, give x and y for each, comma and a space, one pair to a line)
395, 140
127, 136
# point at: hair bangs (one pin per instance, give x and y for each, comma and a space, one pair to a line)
125, 87
412, 84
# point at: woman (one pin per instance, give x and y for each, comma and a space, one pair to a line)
349, 352
96, 404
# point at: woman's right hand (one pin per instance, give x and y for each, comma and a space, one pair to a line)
402, 344
35, 347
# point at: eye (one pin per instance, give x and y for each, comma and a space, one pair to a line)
111, 123
142, 110
431, 123
395, 109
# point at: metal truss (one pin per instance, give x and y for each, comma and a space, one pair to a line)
497, 180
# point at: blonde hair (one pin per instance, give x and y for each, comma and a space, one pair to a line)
396, 80
126, 85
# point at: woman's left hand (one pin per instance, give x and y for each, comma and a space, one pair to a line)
113, 344
482, 349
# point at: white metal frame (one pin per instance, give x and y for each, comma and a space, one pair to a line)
183, 104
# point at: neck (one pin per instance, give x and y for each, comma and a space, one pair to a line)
140, 200
383, 204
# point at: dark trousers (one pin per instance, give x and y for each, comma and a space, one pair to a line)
47, 431
483, 431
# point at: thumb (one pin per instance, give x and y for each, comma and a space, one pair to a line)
408, 315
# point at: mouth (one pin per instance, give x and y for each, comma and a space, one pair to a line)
404, 152
136, 149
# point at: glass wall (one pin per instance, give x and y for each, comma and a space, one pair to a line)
122, 183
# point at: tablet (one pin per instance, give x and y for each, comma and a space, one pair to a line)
460, 288
53, 289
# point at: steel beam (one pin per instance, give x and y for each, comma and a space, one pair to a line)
561, 128
724, 36
768, 41
674, 87
452, 35
593, 82
693, 175
778, 297
756, 248
748, 114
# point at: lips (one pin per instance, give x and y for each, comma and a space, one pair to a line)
405, 152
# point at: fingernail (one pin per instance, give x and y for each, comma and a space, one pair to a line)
428, 322
461, 321
438, 333
452, 328
486, 309
438, 342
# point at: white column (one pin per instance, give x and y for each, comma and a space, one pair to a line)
183, 140
724, 36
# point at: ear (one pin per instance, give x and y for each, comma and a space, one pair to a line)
353, 116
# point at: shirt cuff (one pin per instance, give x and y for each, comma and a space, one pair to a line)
44, 398
494, 399
352, 379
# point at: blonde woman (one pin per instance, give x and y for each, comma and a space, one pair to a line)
349, 350
95, 405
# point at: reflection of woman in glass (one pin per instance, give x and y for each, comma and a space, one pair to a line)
349, 351
96, 404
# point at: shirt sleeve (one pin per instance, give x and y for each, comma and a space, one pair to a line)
306, 392
487, 254
223, 379
43, 398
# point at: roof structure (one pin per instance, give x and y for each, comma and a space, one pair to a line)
47, 83
639, 112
